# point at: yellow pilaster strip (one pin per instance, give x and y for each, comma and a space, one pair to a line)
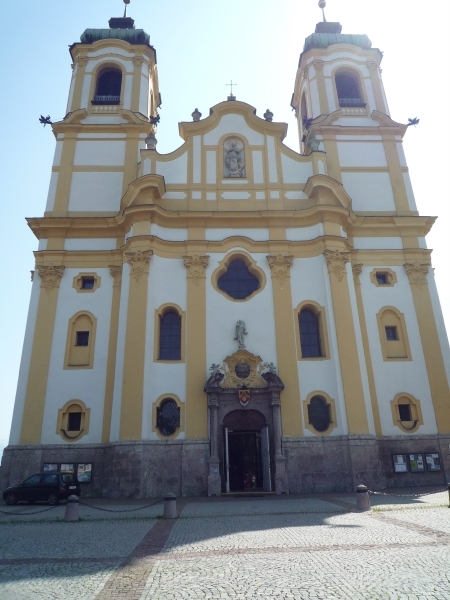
62, 195
333, 163
133, 369
116, 274
376, 86
131, 159
79, 81
33, 412
136, 89
437, 377
286, 347
196, 413
346, 338
396, 175
357, 270
323, 99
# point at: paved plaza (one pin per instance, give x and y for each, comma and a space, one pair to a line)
306, 547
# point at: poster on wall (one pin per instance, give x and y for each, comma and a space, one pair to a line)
433, 462
416, 463
400, 463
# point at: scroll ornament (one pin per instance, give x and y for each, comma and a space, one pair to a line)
417, 273
139, 262
196, 266
50, 276
280, 266
336, 263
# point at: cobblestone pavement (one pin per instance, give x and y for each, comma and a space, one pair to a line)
296, 547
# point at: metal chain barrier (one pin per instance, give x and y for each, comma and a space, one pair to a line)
123, 510
35, 512
407, 495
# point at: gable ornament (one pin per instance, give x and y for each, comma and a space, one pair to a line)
196, 266
280, 267
139, 262
336, 263
417, 273
50, 276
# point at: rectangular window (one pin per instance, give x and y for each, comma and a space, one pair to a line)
74, 421
87, 283
67, 468
82, 338
391, 333
404, 412
382, 278
84, 472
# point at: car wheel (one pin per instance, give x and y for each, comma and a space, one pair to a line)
53, 499
11, 498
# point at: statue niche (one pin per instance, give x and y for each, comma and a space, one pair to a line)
234, 158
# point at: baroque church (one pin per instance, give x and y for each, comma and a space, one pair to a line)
232, 316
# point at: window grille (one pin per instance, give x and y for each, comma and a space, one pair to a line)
382, 278
82, 338
309, 334
404, 412
168, 417
87, 283
238, 282
109, 85
170, 336
391, 333
74, 421
319, 413
348, 90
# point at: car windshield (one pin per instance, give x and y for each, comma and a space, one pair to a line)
67, 477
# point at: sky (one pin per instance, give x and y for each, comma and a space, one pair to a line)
201, 45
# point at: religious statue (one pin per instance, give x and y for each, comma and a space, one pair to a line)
234, 159
240, 331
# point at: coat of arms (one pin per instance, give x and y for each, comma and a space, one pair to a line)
244, 396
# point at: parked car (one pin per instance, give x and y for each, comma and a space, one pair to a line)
50, 487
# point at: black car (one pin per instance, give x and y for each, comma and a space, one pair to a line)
50, 487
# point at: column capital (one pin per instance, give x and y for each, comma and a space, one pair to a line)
116, 274
417, 273
139, 262
357, 270
280, 267
318, 65
336, 263
50, 276
196, 266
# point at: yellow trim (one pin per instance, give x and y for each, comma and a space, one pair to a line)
63, 418
78, 280
332, 407
83, 358
416, 413
391, 277
252, 267
393, 350
320, 313
62, 194
159, 313
323, 97
181, 405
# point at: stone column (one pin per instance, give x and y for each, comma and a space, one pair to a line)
133, 367
214, 481
33, 412
281, 480
434, 361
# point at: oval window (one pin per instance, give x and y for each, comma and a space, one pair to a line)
319, 413
237, 281
168, 418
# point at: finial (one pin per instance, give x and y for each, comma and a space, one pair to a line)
126, 2
322, 4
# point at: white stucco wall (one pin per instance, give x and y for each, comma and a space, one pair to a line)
369, 191
173, 171
100, 153
91, 191
73, 244
232, 124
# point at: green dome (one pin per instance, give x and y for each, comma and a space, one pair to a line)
323, 40
132, 36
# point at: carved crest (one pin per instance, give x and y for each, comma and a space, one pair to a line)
243, 370
417, 273
336, 263
244, 396
50, 276
196, 266
139, 262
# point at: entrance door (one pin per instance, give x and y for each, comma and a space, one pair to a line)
245, 460
265, 457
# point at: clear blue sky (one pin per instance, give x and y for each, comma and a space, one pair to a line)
200, 46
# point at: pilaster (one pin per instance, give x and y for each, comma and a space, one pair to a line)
323, 98
61, 205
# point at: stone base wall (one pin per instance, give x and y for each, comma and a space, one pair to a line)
145, 469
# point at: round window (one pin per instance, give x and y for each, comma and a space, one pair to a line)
168, 418
319, 413
238, 282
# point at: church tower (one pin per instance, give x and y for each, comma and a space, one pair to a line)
232, 315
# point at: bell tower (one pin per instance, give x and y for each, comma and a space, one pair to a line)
113, 96
341, 107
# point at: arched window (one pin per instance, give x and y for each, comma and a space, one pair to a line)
319, 413
393, 336
170, 336
347, 87
80, 341
73, 421
109, 85
168, 417
238, 282
309, 334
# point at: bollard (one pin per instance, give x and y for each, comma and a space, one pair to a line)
362, 498
170, 506
71, 513
448, 487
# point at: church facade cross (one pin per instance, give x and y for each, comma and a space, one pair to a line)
231, 84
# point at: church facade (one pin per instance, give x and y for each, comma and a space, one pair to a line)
234, 315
